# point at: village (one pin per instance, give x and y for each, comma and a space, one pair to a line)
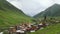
24, 28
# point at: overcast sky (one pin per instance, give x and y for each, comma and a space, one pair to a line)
33, 7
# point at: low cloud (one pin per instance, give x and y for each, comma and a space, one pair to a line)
33, 7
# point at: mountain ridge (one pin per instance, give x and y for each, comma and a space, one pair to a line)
51, 11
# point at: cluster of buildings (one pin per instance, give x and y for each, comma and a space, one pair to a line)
27, 27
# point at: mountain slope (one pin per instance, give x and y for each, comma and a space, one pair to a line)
51, 11
10, 15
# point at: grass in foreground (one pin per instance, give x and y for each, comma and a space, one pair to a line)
53, 29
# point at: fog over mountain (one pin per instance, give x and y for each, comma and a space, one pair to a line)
33, 7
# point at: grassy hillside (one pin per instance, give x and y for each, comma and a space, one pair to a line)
10, 15
52, 11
